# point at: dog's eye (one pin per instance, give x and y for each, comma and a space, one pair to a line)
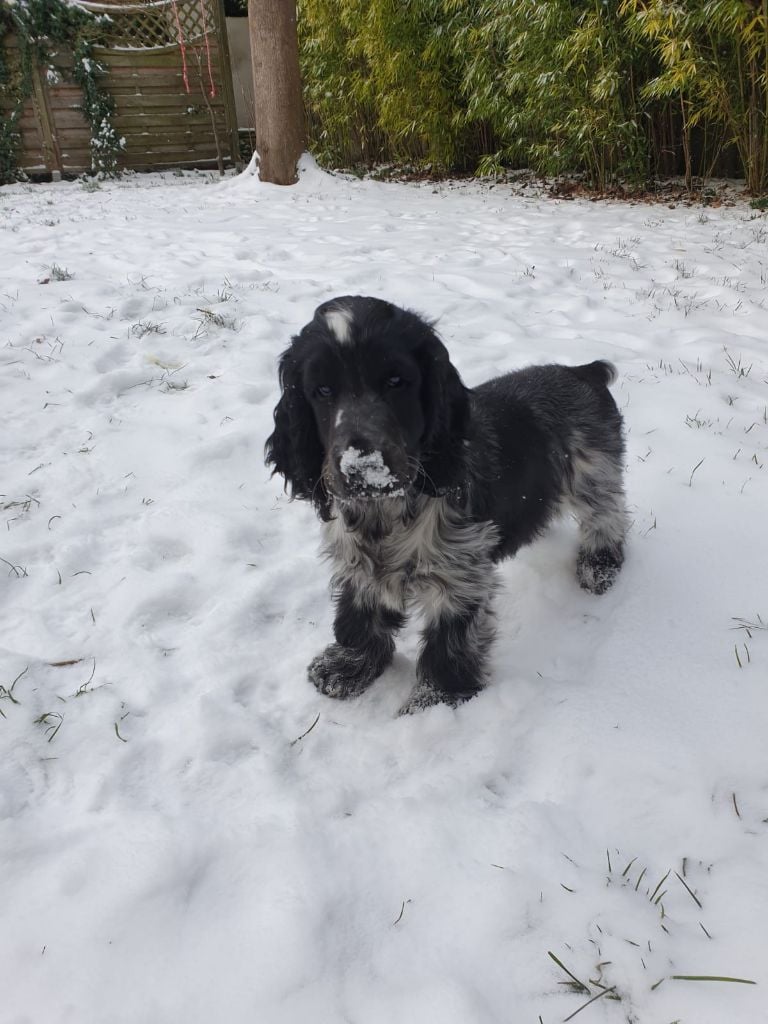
394, 381
323, 391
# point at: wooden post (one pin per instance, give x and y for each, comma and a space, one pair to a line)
228, 93
51, 151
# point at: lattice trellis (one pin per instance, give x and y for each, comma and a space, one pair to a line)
155, 23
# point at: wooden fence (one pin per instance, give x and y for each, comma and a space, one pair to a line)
167, 68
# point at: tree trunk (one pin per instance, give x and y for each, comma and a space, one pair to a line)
279, 114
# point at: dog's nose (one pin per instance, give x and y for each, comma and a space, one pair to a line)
365, 471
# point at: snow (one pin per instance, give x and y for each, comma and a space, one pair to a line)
188, 831
369, 468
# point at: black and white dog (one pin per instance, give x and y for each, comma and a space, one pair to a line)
424, 484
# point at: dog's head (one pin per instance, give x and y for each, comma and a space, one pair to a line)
371, 407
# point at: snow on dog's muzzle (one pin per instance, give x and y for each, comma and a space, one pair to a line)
367, 475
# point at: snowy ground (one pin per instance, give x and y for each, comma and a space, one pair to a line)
172, 847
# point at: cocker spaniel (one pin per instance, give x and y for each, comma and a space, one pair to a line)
424, 484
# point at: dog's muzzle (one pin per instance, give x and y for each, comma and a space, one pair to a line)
365, 473
366, 459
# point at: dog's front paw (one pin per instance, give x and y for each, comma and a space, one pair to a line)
426, 695
597, 570
342, 672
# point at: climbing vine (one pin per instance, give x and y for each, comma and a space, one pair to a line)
43, 28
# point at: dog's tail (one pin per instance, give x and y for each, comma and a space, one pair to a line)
601, 373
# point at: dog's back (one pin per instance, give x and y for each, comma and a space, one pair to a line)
548, 435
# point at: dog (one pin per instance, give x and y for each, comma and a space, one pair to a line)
424, 485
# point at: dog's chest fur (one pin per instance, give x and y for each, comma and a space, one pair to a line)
394, 553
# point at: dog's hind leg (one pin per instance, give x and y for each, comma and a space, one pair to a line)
363, 649
598, 500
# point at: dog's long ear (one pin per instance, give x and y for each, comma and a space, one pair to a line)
293, 449
446, 408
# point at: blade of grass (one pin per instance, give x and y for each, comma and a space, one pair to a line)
400, 915
309, 730
626, 869
690, 891
561, 965
589, 1003
711, 977
690, 479
7, 692
653, 895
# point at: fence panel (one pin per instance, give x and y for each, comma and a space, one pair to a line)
167, 68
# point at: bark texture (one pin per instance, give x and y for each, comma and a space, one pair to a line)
279, 114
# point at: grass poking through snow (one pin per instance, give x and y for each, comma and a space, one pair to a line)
634, 944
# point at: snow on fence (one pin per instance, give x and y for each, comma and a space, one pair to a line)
167, 68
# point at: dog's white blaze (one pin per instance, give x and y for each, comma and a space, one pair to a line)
339, 321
